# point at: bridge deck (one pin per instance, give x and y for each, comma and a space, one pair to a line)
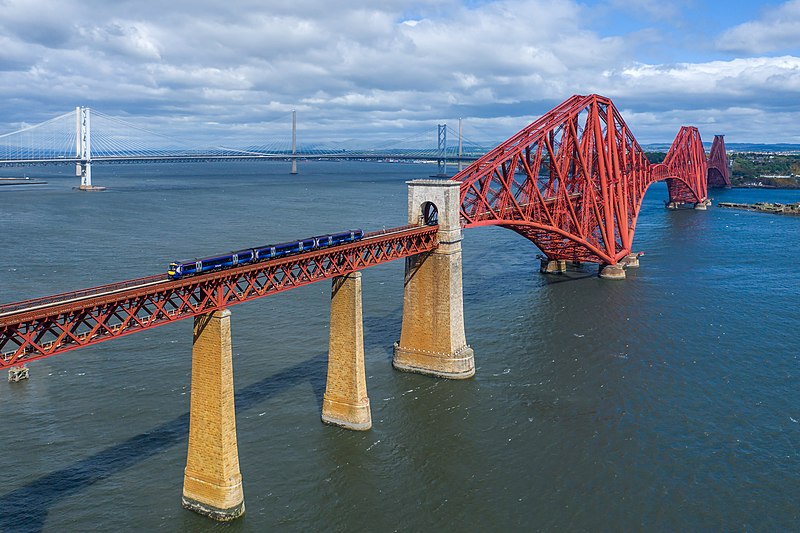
41, 327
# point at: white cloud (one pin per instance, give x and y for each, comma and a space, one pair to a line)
361, 66
738, 77
778, 29
696, 93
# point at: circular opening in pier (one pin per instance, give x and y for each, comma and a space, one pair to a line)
430, 214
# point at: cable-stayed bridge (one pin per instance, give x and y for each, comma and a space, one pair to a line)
85, 137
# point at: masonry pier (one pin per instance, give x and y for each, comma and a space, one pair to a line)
432, 339
702, 205
552, 266
212, 483
346, 403
630, 260
615, 271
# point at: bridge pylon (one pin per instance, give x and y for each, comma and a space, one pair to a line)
83, 149
441, 152
432, 340
294, 142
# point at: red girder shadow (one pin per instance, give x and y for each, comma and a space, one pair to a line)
574, 180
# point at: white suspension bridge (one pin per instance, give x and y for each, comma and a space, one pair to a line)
87, 137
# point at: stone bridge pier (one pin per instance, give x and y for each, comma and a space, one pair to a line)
432, 342
212, 483
345, 402
432, 339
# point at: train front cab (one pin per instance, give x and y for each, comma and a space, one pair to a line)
174, 271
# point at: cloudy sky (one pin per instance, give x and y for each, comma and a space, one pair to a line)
372, 68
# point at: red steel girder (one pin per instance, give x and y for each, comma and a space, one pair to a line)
573, 181
685, 168
718, 170
39, 328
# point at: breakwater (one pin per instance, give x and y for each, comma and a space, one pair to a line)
21, 181
765, 207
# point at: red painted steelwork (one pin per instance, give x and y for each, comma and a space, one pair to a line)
43, 327
685, 168
573, 181
718, 171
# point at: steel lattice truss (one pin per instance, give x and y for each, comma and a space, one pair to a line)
41, 328
685, 168
718, 172
573, 181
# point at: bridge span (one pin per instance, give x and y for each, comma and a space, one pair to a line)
46, 326
572, 183
87, 138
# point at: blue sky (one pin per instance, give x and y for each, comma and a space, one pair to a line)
713, 16
692, 26
385, 69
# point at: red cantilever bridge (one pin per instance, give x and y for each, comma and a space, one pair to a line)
572, 182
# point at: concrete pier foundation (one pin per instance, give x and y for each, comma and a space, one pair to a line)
212, 483
554, 266
607, 271
630, 261
18, 373
346, 403
703, 205
432, 340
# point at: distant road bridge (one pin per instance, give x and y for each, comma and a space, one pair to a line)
572, 182
85, 138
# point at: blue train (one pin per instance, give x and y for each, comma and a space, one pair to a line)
180, 269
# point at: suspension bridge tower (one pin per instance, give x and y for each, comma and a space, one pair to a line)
83, 149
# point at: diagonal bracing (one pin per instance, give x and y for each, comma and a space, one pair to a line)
39, 328
573, 181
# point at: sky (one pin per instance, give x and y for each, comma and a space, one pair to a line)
361, 69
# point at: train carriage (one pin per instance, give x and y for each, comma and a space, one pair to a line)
179, 269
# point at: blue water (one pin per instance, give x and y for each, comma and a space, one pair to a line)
665, 402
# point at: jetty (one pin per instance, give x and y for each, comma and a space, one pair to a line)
765, 207
21, 181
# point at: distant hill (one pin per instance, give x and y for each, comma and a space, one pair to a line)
733, 147
754, 147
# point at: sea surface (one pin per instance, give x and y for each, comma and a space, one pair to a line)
666, 402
